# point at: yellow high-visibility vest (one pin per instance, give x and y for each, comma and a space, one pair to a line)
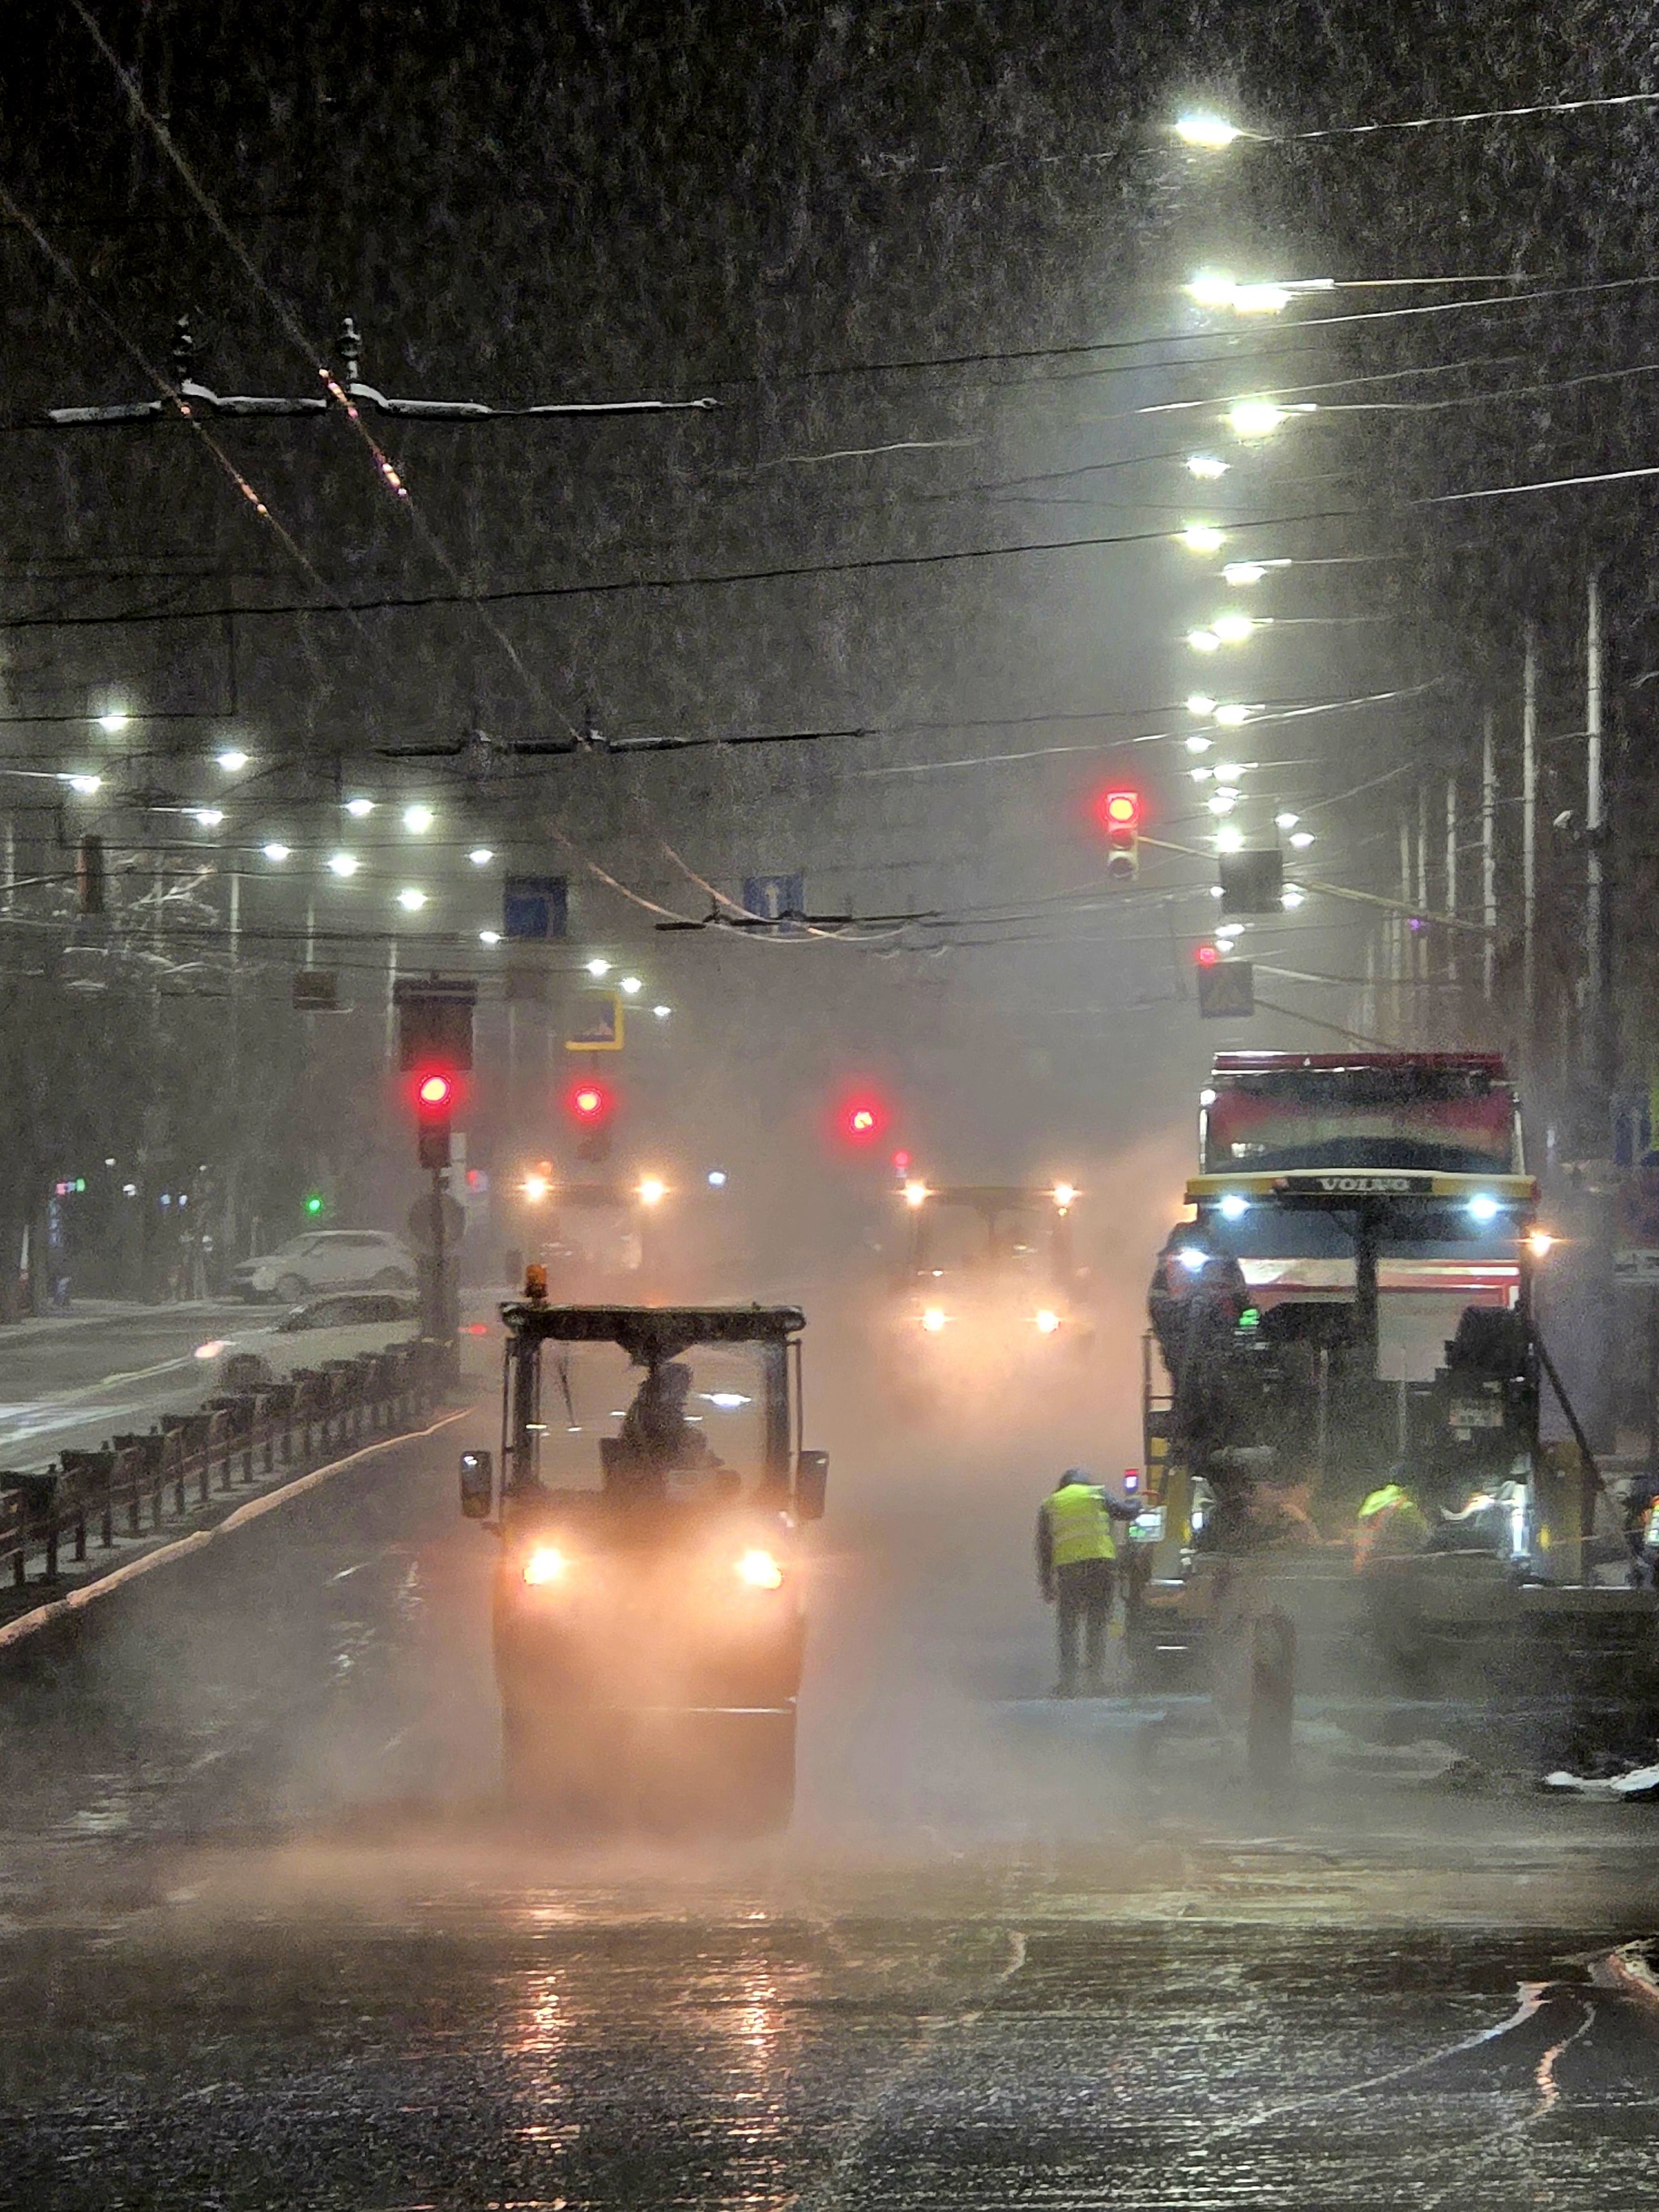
1080, 1527
1390, 1523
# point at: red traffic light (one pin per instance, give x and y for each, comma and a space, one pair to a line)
1122, 809
860, 1117
434, 1092
587, 1100
1208, 956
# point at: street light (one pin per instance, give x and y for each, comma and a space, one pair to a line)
1228, 841
1301, 840
418, 819
276, 850
1206, 467
481, 856
1260, 418
1232, 716
1222, 802
343, 864
83, 787
632, 986
489, 937
1210, 133
208, 817
662, 1012
410, 899
233, 760
1203, 641
1200, 702
360, 809
1291, 899
1210, 288
1233, 627
1197, 744
1201, 774
598, 967
1260, 299
1201, 537
1285, 821
1238, 574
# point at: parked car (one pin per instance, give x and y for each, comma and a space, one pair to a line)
326, 1260
351, 1309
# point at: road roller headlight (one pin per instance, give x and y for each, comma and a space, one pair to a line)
547, 1564
1047, 1321
758, 1569
933, 1319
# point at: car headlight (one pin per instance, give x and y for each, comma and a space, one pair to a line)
758, 1569
933, 1319
1047, 1321
546, 1564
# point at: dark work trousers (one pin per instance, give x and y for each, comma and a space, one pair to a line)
1083, 1594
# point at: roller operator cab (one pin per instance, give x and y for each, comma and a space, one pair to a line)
648, 1616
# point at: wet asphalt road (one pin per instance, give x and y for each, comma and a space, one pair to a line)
267, 1937
74, 1381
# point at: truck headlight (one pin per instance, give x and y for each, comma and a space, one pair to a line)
1047, 1321
933, 1319
758, 1569
546, 1564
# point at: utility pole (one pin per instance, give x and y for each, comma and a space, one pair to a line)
1595, 886
1451, 876
1423, 1030
1488, 852
1407, 936
1529, 831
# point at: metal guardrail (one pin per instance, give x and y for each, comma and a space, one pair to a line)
93, 1501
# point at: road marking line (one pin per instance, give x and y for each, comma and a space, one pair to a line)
59, 1609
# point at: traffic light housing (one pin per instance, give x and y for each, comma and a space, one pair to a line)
589, 1105
434, 1103
89, 875
1119, 816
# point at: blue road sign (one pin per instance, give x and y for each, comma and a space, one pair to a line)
773, 898
535, 906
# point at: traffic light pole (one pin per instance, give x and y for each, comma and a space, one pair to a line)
440, 1317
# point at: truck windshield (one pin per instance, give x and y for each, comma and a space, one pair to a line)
958, 1234
1448, 1120
698, 1422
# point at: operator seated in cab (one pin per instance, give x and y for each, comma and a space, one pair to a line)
657, 1440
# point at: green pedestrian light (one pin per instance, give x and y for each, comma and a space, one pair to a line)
313, 1202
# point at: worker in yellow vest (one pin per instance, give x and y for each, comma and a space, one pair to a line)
1391, 1525
1077, 1552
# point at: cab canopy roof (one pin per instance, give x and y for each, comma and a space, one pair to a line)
651, 1334
1291, 1063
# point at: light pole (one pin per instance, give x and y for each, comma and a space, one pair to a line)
1595, 1056
1529, 828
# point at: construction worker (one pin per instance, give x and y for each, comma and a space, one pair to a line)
1391, 1525
1077, 1548
1390, 1532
